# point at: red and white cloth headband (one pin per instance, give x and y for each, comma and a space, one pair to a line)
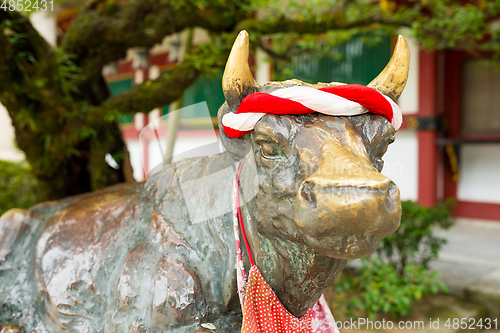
342, 100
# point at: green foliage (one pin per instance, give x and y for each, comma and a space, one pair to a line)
378, 287
17, 185
458, 24
392, 281
291, 47
66, 71
437, 25
414, 240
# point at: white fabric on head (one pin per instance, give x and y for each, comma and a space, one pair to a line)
397, 115
320, 101
242, 121
314, 99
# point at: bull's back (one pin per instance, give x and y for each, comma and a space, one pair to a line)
126, 257
56, 258
80, 254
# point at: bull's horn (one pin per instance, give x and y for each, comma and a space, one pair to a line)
392, 80
238, 81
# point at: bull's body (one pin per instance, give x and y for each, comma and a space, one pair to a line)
121, 259
134, 258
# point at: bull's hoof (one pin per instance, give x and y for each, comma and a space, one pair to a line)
10, 328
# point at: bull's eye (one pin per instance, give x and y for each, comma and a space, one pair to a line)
270, 150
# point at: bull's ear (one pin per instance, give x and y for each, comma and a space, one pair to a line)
238, 81
392, 80
237, 147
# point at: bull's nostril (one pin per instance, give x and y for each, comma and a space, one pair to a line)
391, 197
307, 192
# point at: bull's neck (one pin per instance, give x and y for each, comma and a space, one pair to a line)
297, 274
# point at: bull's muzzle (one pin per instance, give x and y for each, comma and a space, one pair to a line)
346, 207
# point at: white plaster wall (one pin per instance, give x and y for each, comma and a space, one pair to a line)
401, 164
135, 159
45, 24
479, 173
159, 48
401, 159
408, 102
263, 68
8, 150
154, 72
200, 36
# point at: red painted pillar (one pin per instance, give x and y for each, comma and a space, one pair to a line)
452, 91
427, 148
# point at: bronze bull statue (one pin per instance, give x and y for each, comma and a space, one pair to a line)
129, 258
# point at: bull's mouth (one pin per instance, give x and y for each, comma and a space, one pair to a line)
345, 247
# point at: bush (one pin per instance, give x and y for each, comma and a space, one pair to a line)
17, 186
378, 287
414, 241
398, 276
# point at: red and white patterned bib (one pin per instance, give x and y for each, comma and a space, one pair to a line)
262, 310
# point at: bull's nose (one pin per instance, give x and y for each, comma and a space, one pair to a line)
347, 219
385, 188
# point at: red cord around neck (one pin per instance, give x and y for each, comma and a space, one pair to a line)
240, 220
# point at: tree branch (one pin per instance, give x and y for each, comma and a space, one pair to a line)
206, 59
273, 54
148, 95
23, 52
5, 55
21, 25
104, 32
